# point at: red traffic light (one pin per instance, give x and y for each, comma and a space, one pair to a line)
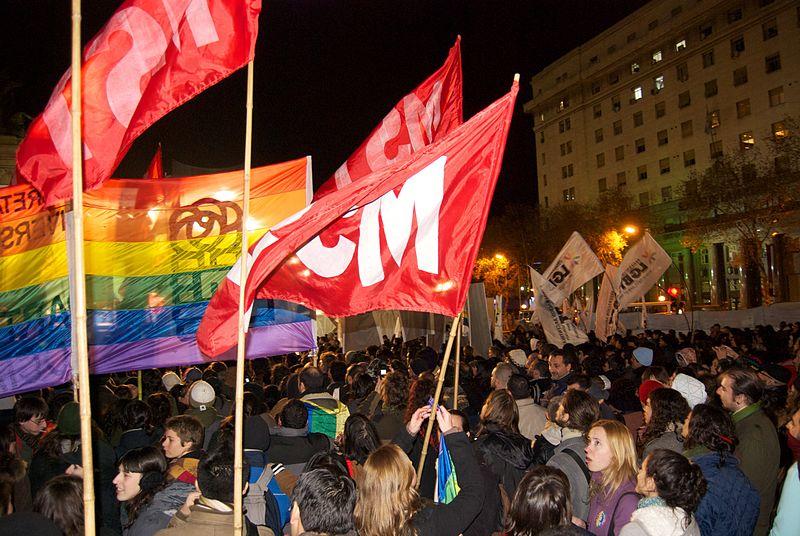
673, 291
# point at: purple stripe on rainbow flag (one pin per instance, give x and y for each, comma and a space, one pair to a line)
28, 373
172, 351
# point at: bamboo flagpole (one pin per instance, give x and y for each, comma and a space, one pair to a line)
442, 374
79, 307
240, 348
458, 367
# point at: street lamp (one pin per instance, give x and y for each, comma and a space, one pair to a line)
499, 256
630, 230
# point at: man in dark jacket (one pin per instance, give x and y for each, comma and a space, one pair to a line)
562, 367
291, 443
740, 392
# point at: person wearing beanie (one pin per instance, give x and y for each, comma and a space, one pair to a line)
643, 356
201, 402
169, 380
647, 387
191, 375
692, 389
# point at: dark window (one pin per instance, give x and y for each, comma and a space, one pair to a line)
617, 127
740, 76
706, 30
638, 119
708, 58
686, 129
772, 63
737, 46
769, 29
661, 109
684, 99
621, 180
734, 15
663, 137
743, 108
688, 158
663, 166
640, 147
711, 88
682, 72
641, 171
715, 149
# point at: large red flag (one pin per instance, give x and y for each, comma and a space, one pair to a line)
149, 58
425, 115
402, 238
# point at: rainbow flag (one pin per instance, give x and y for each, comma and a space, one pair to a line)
155, 253
325, 419
446, 481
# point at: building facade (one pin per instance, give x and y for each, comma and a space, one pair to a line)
663, 93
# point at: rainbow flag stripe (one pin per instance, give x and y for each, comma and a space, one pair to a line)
155, 253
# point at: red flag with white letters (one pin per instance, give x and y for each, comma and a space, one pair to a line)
403, 238
149, 58
425, 115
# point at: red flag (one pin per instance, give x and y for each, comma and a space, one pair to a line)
156, 168
425, 115
403, 238
149, 58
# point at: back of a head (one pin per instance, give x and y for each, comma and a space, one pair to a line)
312, 379
502, 373
500, 411
294, 415
518, 387
215, 474
712, 428
326, 501
679, 482
542, 501
137, 414
360, 438
387, 498
583, 410
338, 371
61, 501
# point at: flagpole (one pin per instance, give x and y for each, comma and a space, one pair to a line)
442, 374
458, 367
79, 307
240, 348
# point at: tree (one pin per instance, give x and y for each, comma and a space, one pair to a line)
744, 197
499, 273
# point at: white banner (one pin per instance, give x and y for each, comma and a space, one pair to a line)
574, 265
640, 269
558, 329
607, 305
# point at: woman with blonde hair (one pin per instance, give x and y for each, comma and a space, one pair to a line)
611, 457
388, 503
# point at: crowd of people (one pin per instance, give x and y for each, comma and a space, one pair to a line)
656, 433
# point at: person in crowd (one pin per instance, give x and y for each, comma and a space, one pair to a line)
672, 488
596, 389
692, 389
500, 376
161, 409
388, 502
182, 444
210, 509
544, 444
541, 502
30, 417
291, 443
576, 413
12, 471
337, 374
758, 449
139, 431
562, 366
498, 442
394, 396
323, 503
362, 393
665, 411
360, 439
611, 457
201, 403
539, 374
731, 503
787, 519
326, 414
61, 501
142, 489
532, 416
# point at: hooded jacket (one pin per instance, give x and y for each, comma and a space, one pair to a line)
660, 521
508, 455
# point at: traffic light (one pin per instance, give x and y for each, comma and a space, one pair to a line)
674, 291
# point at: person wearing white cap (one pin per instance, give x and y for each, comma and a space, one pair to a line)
169, 380
201, 399
692, 389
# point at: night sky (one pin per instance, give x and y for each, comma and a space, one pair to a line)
326, 72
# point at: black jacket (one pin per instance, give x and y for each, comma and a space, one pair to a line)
294, 448
454, 518
508, 455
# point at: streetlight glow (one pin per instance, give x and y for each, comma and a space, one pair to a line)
499, 256
630, 230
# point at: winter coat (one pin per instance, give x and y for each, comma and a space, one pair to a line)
455, 517
294, 447
157, 514
508, 455
669, 440
388, 422
660, 521
205, 520
532, 418
133, 439
731, 504
759, 452
325, 414
615, 509
576, 474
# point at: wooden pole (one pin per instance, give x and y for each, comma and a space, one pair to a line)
79, 307
432, 418
458, 367
139, 383
240, 348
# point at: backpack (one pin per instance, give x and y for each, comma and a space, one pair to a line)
260, 503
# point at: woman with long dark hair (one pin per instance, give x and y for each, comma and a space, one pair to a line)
731, 504
148, 504
61, 501
665, 410
506, 452
359, 441
672, 487
542, 502
137, 423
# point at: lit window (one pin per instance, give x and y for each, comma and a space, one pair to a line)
680, 45
746, 140
779, 130
563, 104
634, 67
637, 93
657, 56
658, 83
713, 119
